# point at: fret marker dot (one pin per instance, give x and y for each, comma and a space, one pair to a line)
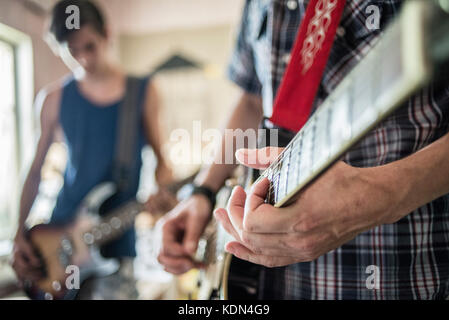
116, 223
88, 238
292, 4
105, 228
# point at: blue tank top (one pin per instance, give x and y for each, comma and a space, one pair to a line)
90, 134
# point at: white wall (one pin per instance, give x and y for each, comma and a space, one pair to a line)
47, 67
202, 96
150, 16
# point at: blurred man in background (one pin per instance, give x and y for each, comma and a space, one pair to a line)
85, 105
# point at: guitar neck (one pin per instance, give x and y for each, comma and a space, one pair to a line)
113, 225
119, 220
401, 62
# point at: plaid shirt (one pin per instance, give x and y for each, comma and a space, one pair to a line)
412, 255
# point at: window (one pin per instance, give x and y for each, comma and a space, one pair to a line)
16, 125
8, 140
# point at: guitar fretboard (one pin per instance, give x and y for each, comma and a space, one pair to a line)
114, 224
394, 69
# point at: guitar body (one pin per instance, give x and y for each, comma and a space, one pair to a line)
229, 278
226, 277
59, 249
70, 254
240, 279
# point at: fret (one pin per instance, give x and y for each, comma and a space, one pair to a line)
321, 143
362, 112
293, 177
283, 174
328, 131
289, 168
376, 74
313, 138
295, 162
340, 125
306, 157
391, 71
296, 143
350, 111
277, 176
269, 176
276, 185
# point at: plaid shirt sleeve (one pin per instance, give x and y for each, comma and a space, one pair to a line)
241, 69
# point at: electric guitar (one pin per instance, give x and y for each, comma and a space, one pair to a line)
412, 51
78, 244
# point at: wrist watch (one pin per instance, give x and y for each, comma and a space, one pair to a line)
205, 191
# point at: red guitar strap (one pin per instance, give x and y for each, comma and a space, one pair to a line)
311, 50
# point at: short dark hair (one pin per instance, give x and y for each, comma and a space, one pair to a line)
90, 14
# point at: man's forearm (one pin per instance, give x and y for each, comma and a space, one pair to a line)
246, 115
29, 193
417, 179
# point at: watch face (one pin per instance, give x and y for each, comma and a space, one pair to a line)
185, 191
